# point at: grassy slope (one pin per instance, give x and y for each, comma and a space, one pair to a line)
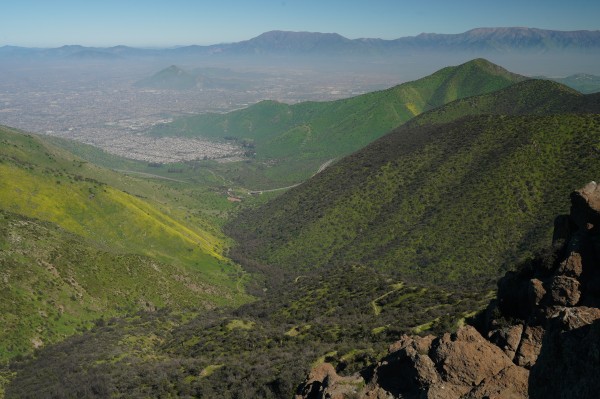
55, 283
93, 249
259, 351
303, 135
482, 181
437, 202
536, 97
197, 190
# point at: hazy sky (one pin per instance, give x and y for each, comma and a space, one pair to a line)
148, 23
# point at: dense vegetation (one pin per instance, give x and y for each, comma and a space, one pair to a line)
436, 202
405, 235
345, 316
291, 141
73, 248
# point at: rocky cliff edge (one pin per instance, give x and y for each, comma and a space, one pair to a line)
540, 338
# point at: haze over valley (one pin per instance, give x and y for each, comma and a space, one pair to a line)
83, 94
98, 103
228, 200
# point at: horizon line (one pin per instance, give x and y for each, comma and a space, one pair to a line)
176, 46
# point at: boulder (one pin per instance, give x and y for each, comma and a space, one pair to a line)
324, 382
510, 383
507, 339
565, 291
568, 319
467, 358
572, 266
530, 346
536, 292
585, 207
459, 364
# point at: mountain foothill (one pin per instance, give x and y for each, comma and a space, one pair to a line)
115, 286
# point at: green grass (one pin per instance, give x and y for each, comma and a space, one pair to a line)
285, 137
435, 202
259, 350
244, 325
55, 283
444, 204
78, 242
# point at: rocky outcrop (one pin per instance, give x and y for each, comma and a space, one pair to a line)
323, 380
454, 365
540, 338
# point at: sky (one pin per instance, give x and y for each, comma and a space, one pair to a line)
166, 23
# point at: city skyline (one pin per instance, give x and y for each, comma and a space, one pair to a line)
154, 23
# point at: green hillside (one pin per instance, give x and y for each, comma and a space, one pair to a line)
405, 235
437, 202
74, 248
534, 97
298, 138
261, 350
478, 193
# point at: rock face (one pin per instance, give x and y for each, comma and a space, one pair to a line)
540, 338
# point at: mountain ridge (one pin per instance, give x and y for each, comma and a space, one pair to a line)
310, 133
406, 235
378, 187
500, 39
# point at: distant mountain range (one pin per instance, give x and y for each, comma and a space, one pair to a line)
513, 39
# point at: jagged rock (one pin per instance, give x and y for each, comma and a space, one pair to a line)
407, 369
466, 357
565, 291
510, 383
536, 292
459, 364
569, 363
530, 346
585, 206
414, 344
568, 319
507, 339
324, 382
572, 266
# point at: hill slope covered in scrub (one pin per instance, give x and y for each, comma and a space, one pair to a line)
295, 139
74, 248
407, 235
387, 206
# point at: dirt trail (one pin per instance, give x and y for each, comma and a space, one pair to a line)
321, 168
146, 175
